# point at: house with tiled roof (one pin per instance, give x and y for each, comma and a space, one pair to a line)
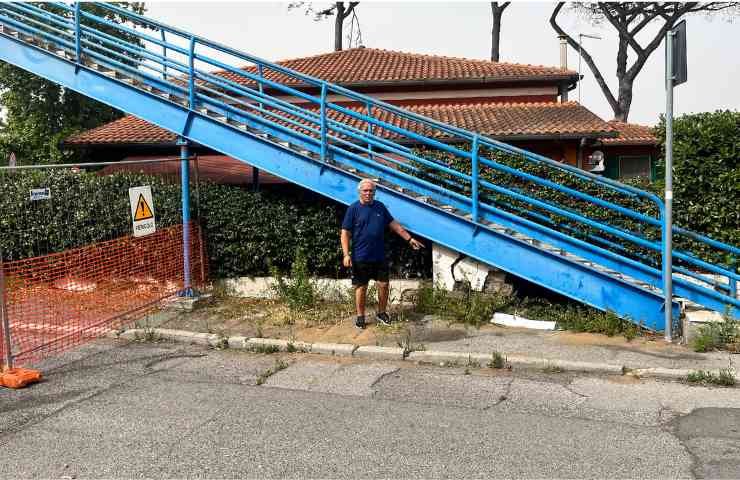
524, 105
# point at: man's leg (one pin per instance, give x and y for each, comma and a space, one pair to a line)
383, 288
382, 315
360, 297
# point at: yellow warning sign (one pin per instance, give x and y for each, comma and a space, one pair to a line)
143, 212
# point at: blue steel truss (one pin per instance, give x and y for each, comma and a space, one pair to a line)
463, 194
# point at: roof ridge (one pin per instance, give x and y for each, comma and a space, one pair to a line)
503, 104
462, 59
619, 122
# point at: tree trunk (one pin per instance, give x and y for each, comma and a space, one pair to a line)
496, 12
338, 24
624, 101
495, 32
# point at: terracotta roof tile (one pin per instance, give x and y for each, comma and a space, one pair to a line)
507, 120
219, 169
366, 66
126, 130
631, 134
499, 120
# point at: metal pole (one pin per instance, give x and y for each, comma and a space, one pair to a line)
259, 84
78, 43
187, 288
580, 40
164, 54
199, 221
191, 72
474, 192
323, 122
667, 218
369, 127
733, 282
7, 344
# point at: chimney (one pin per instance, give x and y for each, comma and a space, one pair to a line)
563, 52
563, 89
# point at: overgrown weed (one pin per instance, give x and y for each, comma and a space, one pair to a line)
717, 335
725, 377
476, 308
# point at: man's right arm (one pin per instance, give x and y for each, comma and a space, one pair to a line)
345, 237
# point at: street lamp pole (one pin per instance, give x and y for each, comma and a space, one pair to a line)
581, 36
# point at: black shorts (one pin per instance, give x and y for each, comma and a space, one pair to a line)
363, 272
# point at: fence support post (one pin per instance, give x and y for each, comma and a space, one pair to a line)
187, 287
7, 344
474, 189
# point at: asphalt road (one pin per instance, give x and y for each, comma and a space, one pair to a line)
135, 410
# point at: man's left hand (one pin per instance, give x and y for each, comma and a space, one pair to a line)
415, 244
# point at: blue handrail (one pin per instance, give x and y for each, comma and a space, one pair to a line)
380, 131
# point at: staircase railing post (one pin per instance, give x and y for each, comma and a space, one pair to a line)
7, 343
323, 122
191, 72
259, 84
369, 127
78, 43
733, 282
474, 189
164, 54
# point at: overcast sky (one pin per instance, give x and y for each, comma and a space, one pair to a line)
462, 29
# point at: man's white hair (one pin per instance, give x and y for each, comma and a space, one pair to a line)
366, 181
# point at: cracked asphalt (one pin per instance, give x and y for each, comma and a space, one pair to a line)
120, 409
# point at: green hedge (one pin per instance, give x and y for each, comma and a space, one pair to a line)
706, 186
706, 173
246, 232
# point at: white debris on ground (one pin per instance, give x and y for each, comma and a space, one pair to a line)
506, 320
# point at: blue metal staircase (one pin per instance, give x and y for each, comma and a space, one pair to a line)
466, 195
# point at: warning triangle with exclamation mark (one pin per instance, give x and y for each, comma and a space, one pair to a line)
143, 212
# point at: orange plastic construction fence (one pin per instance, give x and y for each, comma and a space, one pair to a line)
60, 301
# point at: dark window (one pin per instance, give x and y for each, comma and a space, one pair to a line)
631, 166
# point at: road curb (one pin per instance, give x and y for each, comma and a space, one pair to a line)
476, 359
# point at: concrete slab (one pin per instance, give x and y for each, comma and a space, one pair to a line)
436, 386
342, 379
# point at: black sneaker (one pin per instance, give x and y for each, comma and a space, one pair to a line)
383, 318
360, 321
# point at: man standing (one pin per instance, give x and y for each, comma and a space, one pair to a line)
364, 224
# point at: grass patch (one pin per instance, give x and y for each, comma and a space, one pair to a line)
550, 368
717, 335
725, 377
498, 361
266, 349
476, 308
279, 365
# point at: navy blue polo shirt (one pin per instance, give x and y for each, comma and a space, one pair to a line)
367, 224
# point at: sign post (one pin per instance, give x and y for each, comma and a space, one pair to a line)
675, 58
